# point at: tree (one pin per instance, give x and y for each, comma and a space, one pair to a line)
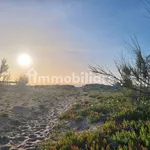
23, 80
135, 75
4, 76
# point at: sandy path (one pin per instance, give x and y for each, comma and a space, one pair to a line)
32, 114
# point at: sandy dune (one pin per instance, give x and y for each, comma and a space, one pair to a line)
28, 114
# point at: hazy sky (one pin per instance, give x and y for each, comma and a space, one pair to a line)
64, 36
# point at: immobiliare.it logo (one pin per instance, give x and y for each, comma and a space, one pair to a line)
35, 78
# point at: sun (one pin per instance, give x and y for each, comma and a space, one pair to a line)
24, 60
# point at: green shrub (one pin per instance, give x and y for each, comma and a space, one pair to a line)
94, 117
4, 115
83, 112
79, 118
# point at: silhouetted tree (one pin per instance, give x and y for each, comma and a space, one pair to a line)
4, 76
135, 76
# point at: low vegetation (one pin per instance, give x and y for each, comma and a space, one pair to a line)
126, 135
101, 107
126, 124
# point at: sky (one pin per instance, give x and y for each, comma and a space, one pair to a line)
65, 36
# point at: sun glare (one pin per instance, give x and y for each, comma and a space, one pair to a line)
24, 60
